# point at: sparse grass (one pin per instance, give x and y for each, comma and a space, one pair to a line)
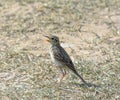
91, 29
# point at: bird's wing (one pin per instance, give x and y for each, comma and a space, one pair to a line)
62, 56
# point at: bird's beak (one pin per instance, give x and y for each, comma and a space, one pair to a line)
47, 38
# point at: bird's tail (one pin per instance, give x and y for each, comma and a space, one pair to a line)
80, 77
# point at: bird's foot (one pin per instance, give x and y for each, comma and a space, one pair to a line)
59, 81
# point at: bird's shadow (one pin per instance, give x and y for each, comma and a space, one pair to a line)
86, 85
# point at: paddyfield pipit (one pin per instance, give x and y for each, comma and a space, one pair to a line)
61, 58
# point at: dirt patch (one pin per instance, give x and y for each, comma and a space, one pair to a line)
88, 30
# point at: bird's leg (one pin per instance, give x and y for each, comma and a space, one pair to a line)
62, 75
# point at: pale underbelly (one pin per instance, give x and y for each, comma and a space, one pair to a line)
56, 62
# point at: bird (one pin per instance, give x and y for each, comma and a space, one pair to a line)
60, 58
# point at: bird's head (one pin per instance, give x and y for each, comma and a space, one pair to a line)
54, 40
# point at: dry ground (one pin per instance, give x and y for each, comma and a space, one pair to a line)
89, 30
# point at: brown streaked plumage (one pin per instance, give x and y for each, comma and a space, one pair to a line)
61, 58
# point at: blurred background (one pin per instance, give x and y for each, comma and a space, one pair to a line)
89, 30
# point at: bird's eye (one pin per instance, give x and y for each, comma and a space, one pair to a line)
52, 38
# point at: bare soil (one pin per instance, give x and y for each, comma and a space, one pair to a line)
88, 30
